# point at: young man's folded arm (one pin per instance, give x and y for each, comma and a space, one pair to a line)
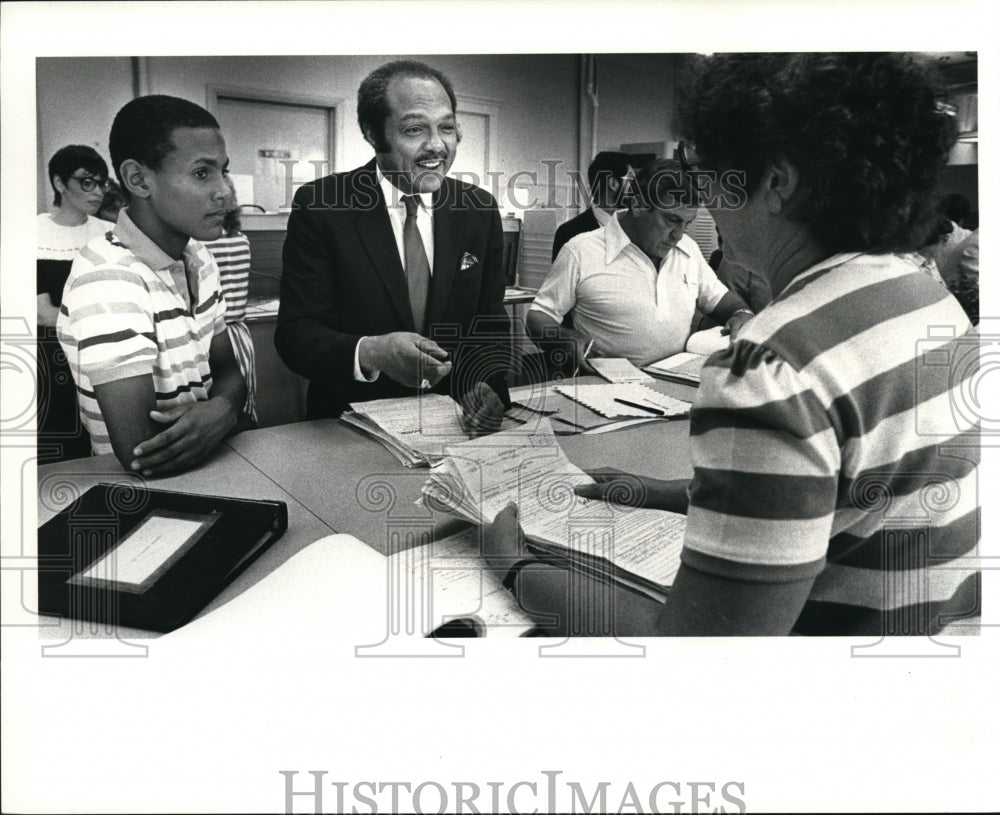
125, 405
185, 433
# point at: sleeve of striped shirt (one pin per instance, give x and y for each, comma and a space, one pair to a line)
110, 317
766, 464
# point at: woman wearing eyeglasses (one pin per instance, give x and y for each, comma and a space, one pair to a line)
79, 179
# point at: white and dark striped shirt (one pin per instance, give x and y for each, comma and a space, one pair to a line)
830, 441
129, 309
232, 256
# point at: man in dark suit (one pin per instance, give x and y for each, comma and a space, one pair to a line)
607, 178
392, 280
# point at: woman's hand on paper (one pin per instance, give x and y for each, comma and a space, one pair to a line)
503, 540
618, 487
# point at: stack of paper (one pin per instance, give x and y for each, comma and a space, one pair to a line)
629, 400
683, 367
639, 548
686, 366
617, 370
707, 342
415, 429
569, 416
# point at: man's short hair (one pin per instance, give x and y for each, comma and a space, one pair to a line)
67, 160
664, 184
143, 129
606, 165
373, 95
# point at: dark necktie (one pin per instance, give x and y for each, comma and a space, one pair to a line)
418, 271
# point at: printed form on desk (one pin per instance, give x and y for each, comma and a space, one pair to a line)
477, 479
618, 371
457, 583
625, 400
415, 429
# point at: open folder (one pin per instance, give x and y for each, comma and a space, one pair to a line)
147, 558
686, 366
634, 547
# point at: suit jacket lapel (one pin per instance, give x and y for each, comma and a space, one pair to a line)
375, 232
449, 225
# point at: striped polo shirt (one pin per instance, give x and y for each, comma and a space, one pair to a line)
232, 256
129, 309
836, 440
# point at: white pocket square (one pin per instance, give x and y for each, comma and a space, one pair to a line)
467, 262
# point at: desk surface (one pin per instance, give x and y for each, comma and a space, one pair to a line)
356, 486
226, 473
334, 478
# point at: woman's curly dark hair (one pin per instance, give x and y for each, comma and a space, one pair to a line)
864, 130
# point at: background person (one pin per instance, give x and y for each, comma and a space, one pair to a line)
608, 180
634, 285
232, 255
79, 178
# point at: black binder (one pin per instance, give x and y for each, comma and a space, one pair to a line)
147, 558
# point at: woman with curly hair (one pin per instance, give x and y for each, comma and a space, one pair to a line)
835, 459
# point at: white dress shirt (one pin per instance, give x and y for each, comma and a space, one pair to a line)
393, 197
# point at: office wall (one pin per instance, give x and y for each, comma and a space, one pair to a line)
537, 95
636, 99
77, 100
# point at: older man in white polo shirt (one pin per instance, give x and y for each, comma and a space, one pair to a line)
634, 284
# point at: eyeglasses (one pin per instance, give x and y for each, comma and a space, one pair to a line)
687, 155
89, 184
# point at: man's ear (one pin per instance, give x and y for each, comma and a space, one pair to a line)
370, 138
782, 180
134, 178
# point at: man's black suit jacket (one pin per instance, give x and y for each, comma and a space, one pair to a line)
586, 221
343, 279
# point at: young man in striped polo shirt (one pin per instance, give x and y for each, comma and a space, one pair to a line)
142, 319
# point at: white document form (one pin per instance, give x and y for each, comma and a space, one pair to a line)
477, 480
459, 583
618, 370
603, 399
415, 428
